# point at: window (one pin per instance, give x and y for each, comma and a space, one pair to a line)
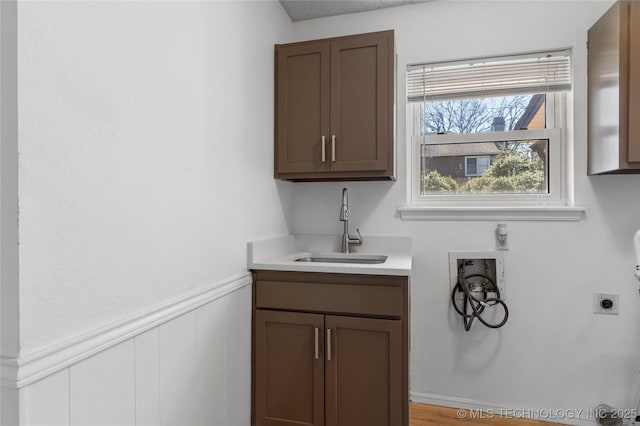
489, 131
476, 166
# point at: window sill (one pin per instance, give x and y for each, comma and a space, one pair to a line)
546, 213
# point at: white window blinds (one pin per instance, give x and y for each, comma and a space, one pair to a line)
531, 73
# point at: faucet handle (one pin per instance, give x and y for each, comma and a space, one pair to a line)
357, 240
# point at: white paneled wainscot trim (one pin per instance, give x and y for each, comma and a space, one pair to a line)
34, 366
185, 363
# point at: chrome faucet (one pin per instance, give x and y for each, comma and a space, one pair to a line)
347, 240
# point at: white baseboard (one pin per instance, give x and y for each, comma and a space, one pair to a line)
487, 409
35, 365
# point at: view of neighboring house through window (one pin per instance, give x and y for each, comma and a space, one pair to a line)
518, 165
490, 126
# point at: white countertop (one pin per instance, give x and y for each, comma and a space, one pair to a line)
280, 254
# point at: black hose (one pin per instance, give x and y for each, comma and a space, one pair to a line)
477, 305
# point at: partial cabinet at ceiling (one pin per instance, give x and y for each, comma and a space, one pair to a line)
330, 349
614, 91
334, 108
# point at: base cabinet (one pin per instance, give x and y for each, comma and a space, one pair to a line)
330, 368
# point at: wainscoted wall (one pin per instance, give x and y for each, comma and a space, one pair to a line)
191, 370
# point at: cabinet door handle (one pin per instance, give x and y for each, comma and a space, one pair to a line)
315, 331
323, 149
333, 148
328, 344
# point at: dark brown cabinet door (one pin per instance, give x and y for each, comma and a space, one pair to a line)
634, 81
359, 103
302, 107
363, 372
289, 369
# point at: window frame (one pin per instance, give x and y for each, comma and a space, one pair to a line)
555, 132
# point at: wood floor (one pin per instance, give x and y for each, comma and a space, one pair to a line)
432, 415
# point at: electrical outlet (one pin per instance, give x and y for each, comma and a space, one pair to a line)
502, 243
606, 303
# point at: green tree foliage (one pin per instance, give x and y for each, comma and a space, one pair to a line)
435, 182
512, 171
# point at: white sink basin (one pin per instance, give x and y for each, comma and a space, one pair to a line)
343, 258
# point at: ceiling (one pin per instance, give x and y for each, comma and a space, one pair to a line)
300, 10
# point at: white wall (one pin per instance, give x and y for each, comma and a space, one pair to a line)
146, 146
554, 352
8, 205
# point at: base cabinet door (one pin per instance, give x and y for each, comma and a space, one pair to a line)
363, 371
289, 368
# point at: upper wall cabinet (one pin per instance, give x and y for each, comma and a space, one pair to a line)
334, 109
614, 91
